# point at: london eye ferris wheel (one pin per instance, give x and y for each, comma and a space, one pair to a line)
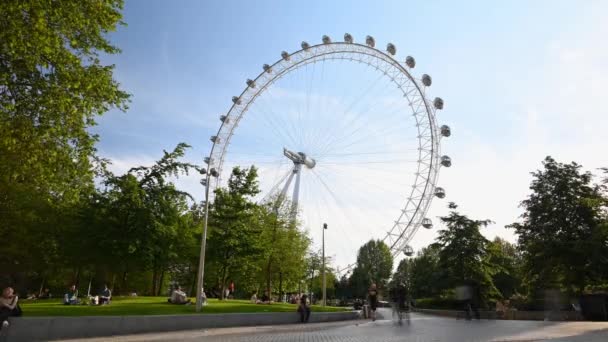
348, 133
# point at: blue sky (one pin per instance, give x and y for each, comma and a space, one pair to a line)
521, 80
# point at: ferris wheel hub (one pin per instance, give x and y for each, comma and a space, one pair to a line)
299, 158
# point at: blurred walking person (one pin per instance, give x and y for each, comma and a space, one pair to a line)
372, 295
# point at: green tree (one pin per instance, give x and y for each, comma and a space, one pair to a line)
425, 273
317, 285
313, 268
562, 235
233, 246
137, 223
374, 265
403, 274
344, 288
462, 253
507, 262
285, 246
52, 87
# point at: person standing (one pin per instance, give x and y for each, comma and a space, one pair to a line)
372, 295
403, 302
9, 306
392, 293
231, 288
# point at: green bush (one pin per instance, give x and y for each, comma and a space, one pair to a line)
592, 289
438, 303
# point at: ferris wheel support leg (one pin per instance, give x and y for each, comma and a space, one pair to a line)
296, 192
287, 184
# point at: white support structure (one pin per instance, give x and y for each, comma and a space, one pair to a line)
298, 159
297, 169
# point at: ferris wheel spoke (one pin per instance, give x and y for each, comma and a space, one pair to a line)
368, 153
346, 175
308, 100
277, 136
362, 212
312, 134
269, 195
379, 98
356, 121
255, 154
276, 126
259, 140
366, 125
284, 120
371, 136
320, 207
354, 179
335, 199
389, 162
348, 110
331, 131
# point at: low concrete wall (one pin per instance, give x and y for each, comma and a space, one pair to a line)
513, 315
54, 328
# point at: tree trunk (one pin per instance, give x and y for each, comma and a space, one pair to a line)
280, 286
268, 276
113, 281
193, 284
160, 282
124, 282
89, 289
41, 287
269, 267
77, 276
154, 280
223, 283
312, 278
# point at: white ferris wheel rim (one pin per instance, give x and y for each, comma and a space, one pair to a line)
418, 201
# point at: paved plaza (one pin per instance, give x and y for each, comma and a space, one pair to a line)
420, 328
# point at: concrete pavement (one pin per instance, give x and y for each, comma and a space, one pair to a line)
420, 328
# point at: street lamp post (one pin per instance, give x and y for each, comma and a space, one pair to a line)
323, 269
201, 264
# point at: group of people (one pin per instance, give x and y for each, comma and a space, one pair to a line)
103, 298
302, 301
400, 298
178, 296
265, 299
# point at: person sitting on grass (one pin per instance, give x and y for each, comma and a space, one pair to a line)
304, 309
179, 297
71, 297
9, 306
46, 294
265, 299
105, 295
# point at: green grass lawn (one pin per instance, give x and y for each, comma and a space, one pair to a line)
122, 306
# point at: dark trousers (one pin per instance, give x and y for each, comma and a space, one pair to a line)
304, 312
5, 313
